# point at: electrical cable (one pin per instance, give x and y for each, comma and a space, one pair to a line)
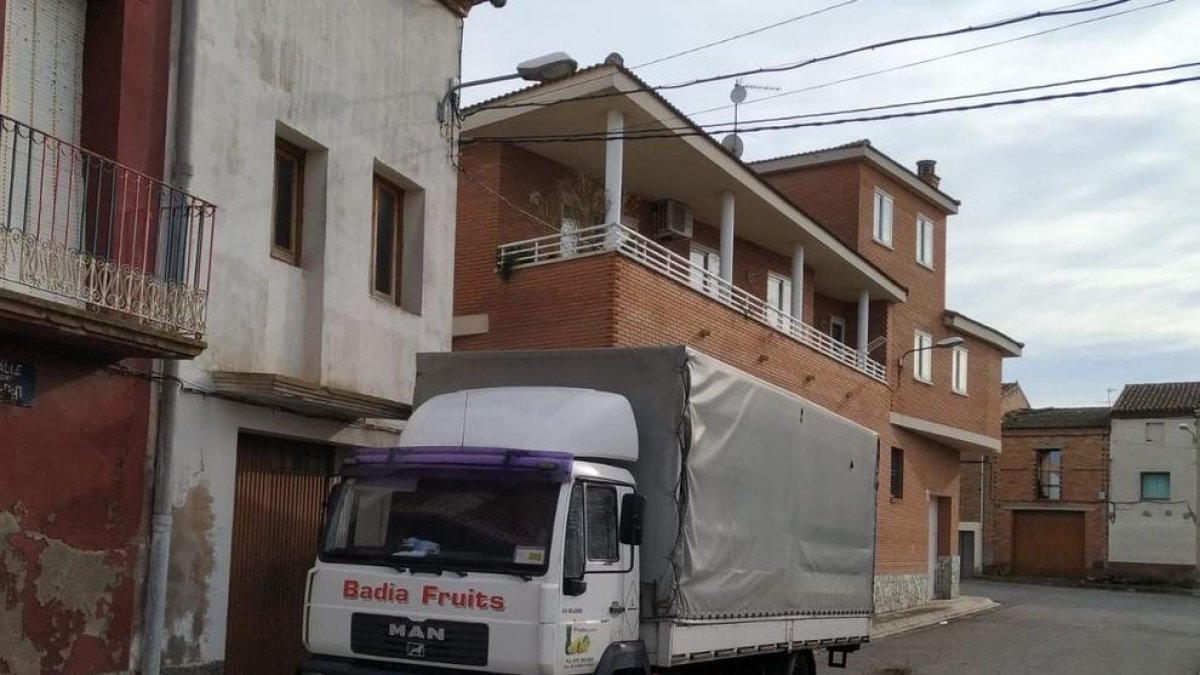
696, 131
748, 33
942, 57
819, 59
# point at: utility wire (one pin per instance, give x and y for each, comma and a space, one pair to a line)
748, 33
696, 131
921, 62
819, 59
945, 99
894, 42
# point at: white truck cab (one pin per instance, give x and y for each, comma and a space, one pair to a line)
466, 548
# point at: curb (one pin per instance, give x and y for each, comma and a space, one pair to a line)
1098, 586
952, 616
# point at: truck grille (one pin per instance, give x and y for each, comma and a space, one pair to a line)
395, 637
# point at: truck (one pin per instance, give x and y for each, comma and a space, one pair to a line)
597, 511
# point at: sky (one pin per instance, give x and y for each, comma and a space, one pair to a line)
1078, 233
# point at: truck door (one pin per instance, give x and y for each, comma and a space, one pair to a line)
600, 588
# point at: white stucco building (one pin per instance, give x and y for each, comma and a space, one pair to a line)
314, 124
1152, 527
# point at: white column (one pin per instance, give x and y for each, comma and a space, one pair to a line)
727, 212
798, 282
614, 167
864, 315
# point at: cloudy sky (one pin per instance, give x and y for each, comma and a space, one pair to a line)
1079, 232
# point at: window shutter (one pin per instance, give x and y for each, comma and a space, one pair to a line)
43, 65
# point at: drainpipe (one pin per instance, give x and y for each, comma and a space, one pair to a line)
154, 624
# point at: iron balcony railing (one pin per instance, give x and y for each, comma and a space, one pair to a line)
619, 239
83, 230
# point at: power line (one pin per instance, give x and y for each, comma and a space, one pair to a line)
921, 62
960, 97
748, 33
696, 131
819, 59
894, 42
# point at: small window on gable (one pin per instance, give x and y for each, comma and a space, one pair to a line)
1155, 432
958, 370
288, 202
883, 218
1049, 474
923, 357
925, 241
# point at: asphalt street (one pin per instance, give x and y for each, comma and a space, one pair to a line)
1046, 630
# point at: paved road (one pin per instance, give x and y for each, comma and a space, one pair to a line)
1048, 631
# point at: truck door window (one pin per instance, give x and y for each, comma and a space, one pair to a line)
573, 555
602, 524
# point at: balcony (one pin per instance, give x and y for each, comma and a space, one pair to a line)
97, 254
645, 252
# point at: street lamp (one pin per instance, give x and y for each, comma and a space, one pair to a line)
1194, 506
543, 69
952, 341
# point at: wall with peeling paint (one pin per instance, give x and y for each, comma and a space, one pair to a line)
71, 536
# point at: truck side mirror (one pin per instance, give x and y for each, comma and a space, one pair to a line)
574, 586
633, 506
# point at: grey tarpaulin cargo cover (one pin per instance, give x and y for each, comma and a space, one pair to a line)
759, 503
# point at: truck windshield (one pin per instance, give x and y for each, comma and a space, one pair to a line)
461, 522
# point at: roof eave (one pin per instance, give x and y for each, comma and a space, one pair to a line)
980, 331
861, 151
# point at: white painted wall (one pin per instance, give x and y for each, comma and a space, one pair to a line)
357, 83
1152, 532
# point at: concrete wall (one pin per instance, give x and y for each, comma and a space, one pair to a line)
356, 84
1158, 535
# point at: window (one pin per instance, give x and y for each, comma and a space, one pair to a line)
601, 520
1154, 432
779, 297
897, 473
574, 561
883, 218
708, 260
958, 370
923, 357
1156, 485
1049, 474
288, 202
837, 328
925, 241
388, 239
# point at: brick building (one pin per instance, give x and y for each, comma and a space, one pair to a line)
771, 267
1047, 512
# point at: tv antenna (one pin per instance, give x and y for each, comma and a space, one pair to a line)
733, 143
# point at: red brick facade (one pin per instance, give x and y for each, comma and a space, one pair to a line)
609, 300
1013, 483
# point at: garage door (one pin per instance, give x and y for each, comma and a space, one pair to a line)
278, 497
1048, 544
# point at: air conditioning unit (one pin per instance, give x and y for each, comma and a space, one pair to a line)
672, 220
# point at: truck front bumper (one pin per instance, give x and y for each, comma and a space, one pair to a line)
321, 665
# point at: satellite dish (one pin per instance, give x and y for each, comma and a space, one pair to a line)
734, 144
738, 95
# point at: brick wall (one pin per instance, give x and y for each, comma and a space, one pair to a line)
1084, 474
608, 300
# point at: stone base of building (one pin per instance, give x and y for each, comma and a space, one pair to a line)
945, 581
900, 591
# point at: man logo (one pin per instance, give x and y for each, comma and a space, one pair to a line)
416, 650
416, 632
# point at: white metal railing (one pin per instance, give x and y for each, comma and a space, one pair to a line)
619, 239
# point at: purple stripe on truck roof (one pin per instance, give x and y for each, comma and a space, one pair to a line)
556, 465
